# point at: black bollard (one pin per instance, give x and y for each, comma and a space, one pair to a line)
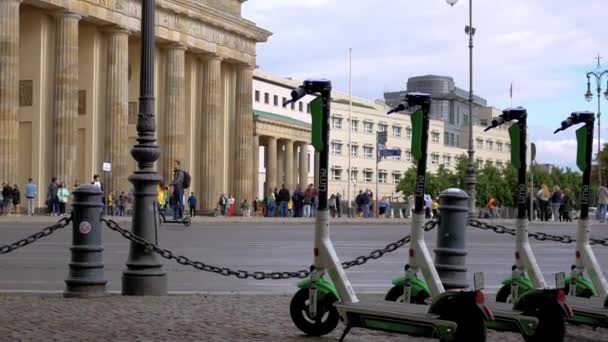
86, 278
450, 254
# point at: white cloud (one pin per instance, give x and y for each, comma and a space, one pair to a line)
559, 152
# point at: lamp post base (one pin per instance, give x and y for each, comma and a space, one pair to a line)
144, 283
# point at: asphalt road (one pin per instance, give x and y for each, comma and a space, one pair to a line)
43, 266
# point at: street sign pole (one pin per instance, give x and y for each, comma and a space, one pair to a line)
106, 168
380, 141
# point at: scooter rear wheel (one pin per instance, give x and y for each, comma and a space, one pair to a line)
471, 325
327, 315
551, 324
395, 294
504, 294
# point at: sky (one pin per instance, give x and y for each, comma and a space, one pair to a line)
543, 47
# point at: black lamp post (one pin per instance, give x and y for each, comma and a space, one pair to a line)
597, 75
144, 275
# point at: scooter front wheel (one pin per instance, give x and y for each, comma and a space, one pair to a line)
471, 325
504, 294
395, 294
327, 318
551, 324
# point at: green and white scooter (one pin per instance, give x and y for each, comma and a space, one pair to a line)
530, 315
587, 297
319, 304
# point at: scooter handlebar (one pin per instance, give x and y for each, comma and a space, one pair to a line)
495, 123
296, 94
565, 124
396, 109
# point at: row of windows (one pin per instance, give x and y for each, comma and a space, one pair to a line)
480, 163
275, 102
367, 176
489, 144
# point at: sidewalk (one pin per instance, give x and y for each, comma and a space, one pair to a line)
183, 318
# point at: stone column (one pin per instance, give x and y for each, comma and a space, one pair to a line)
243, 133
295, 165
9, 88
271, 164
303, 165
65, 120
212, 147
117, 104
256, 167
289, 183
172, 129
280, 164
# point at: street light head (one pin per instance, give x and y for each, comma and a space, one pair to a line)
451, 2
588, 96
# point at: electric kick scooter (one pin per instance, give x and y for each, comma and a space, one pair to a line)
317, 307
587, 297
529, 296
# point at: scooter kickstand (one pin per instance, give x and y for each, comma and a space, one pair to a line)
346, 331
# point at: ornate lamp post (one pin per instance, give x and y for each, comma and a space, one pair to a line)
471, 180
144, 275
597, 75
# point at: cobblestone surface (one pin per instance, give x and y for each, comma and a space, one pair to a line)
182, 318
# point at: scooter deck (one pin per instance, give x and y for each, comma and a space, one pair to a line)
588, 311
410, 319
508, 319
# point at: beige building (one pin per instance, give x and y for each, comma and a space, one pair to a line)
69, 83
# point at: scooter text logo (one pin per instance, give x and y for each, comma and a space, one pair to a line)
521, 195
323, 180
420, 186
585, 197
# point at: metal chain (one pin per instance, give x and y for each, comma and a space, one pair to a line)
540, 236
62, 223
258, 275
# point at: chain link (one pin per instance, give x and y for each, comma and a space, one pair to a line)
258, 275
62, 223
540, 236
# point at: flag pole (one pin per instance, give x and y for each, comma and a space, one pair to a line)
350, 124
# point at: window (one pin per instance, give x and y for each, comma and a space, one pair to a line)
382, 176
266, 98
396, 131
368, 152
354, 125
367, 176
396, 178
479, 144
284, 100
382, 127
499, 146
451, 117
508, 147
408, 155
300, 107
354, 175
257, 96
447, 160
435, 136
465, 120
336, 174
489, 162
354, 150
275, 100
408, 133
398, 157
336, 148
499, 164
434, 158
308, 108
368, 127
479, 162
293, 106
336, 122
490, 145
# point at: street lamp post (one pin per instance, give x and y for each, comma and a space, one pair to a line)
144, 275
471, 180
598, 75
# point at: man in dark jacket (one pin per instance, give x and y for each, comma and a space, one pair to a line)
178, 191
283, 199
298, 201
52, 197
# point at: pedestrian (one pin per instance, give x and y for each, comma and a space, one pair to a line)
331, 203
231, 205
16, 199
315, 202
338, 207
556, 202
7, 194
222, 205
492, 207
52, 199
63, 194
161, 197
435, 208
76, 184
308, 201
270, 204
179, 183
283, 199
543, 196
366, 199
2, 199
31, 192
246, 208
290, 212
192, 204
122, 203
427, 206
298, 201
256, 206
382, 206
359, 203
602, 202
568, 204
110, 204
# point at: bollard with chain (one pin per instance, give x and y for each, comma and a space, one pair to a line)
86, 277
450, 253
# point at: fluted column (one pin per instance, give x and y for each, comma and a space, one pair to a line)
173, 130
256, 167
9, 88
303, 164
271, 164
117, 104
212, 148
65, 120
295, 165
243, 133
280, 164
289, 183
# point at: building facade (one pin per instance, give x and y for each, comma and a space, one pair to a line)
69, 88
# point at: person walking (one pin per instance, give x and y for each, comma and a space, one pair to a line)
246, 208
543, 196
338, 208
16, 199
382, 206
568, 205
52, 199
270, 204
192, 204
359, 203
231, 205
110, 204
283, 199
556, 202
602, 202
332, 205
222, 205
308, 200
122, 203
435, 208
63, 194
178, 190
428, 203
31, 192
298, 201
161, 197
7, 194
366, 200
492, 207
